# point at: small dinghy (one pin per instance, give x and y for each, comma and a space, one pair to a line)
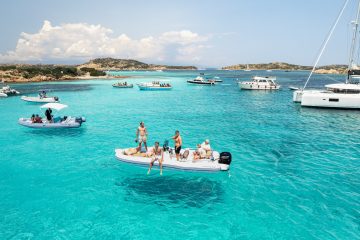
293, 88
41, 98
122, 85
217, 162
58, 122
6, 90
64, 122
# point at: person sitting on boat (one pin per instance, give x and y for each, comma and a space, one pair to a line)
157, 154
206, 147
42, 94
178, 143
141, 135
33, 118
48, 115
200, 153
37, 119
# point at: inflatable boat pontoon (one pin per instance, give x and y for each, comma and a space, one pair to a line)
220, 162
68, 122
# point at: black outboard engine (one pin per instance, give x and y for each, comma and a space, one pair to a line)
225, 158
166, 145
56, 98
80, 120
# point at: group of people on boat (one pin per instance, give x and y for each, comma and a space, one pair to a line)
35, 118
161, 84
157, 153
122, 84
48, 114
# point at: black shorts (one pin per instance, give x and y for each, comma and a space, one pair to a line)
177, 149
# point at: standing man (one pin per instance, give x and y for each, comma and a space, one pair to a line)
178, 143
48, 115
141, 135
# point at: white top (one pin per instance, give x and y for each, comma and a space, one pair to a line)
56, 106
205, 146
264, 78
344, 86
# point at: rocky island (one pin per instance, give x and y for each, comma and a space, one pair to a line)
93, 69
328, 69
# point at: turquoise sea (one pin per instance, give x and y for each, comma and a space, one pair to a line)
295, 171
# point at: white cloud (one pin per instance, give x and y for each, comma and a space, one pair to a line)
83, 41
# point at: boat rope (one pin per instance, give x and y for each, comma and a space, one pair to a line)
333, 79
326, 42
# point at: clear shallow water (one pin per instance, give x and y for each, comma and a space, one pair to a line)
295, 171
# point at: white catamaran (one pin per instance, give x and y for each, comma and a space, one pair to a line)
341, 95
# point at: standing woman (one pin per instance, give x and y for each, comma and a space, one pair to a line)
178, 143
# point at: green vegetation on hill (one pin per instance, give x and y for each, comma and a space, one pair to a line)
93, 72
128, 64
30, 71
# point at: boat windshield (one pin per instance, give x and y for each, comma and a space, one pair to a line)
346, 91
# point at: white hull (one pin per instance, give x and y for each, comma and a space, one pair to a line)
150, 88
326, 99
39, 100
204, 165
70, 122
3, 94
257, 86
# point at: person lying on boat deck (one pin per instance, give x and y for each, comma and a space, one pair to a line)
141, 135
48, 115
157, 154
135, 151
178, 143
37, 119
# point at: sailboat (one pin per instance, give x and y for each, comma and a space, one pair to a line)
247, 68
340, 95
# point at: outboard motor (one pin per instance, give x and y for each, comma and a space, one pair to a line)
225, 158
166, 145
80, 120
56, 98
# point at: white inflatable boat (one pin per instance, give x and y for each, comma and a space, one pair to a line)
219, 162
65, 122
58, 122
39, 99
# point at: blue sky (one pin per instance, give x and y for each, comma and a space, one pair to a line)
202, 33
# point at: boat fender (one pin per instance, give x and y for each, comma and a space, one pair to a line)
225, 158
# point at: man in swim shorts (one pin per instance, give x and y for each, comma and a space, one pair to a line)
141, 135
178, 143
157, 154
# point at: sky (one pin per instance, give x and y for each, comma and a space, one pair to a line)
204, 33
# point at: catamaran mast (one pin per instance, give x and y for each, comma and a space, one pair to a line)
353, 42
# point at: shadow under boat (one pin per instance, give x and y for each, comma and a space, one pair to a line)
178, 191
61, 132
